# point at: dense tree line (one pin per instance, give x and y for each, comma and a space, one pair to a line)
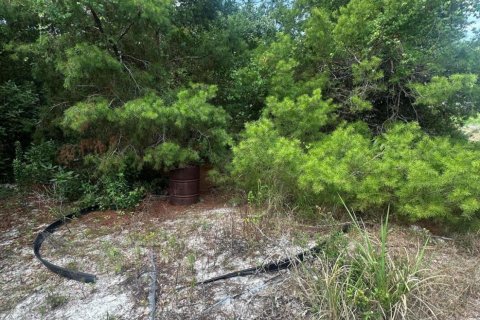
329, 97
55, 54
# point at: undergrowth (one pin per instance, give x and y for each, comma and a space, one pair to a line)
364, 280
108, 188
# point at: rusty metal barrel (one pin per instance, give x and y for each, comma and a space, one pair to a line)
184, 186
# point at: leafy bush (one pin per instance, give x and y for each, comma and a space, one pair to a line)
302, 118
36, 164
170, 155
108, 182
450, 101
111, 192
340, 164
268, 159
430, 177
116, 193
66, 185
419, 176
17, 118
264, 162
109, 187
189, 131
146, 132
88, 63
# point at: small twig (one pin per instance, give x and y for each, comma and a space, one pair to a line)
131, 76
252, 291
176, 274
153, 287
441, 238
263, 234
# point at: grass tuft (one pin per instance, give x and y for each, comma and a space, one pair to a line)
361, 279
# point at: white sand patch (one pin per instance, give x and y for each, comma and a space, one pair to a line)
195, 246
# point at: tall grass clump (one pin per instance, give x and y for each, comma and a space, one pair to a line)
364, 280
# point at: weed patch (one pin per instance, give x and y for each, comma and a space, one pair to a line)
362, 279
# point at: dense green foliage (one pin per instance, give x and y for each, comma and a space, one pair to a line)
421, 176
36, 165
266, 159
17, 116
387, 130
418, 175
374, 58
188, 131
361, 99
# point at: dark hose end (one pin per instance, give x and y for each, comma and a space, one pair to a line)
346, 227
92, 279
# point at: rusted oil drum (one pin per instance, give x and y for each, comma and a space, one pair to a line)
184, 186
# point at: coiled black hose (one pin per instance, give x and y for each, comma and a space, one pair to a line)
66, 273
91, 278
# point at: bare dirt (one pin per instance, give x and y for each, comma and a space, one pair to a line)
473, 132
190, 244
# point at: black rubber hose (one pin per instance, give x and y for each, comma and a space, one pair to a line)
91, 278
274, 266
66, 273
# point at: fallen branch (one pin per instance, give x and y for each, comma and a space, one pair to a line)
153, 287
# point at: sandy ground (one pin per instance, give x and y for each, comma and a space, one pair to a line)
473, 132
189, 244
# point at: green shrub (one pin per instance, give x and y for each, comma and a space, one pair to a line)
450, 101
116, 193
90, 194
340, 164
36, 165
17, 120
169, 155
109, 186
111, 192
266, 163
107, 181
66, 185
428, 177
88, 64
146, 134
268, 160
164, 136
419, 176
303, 118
